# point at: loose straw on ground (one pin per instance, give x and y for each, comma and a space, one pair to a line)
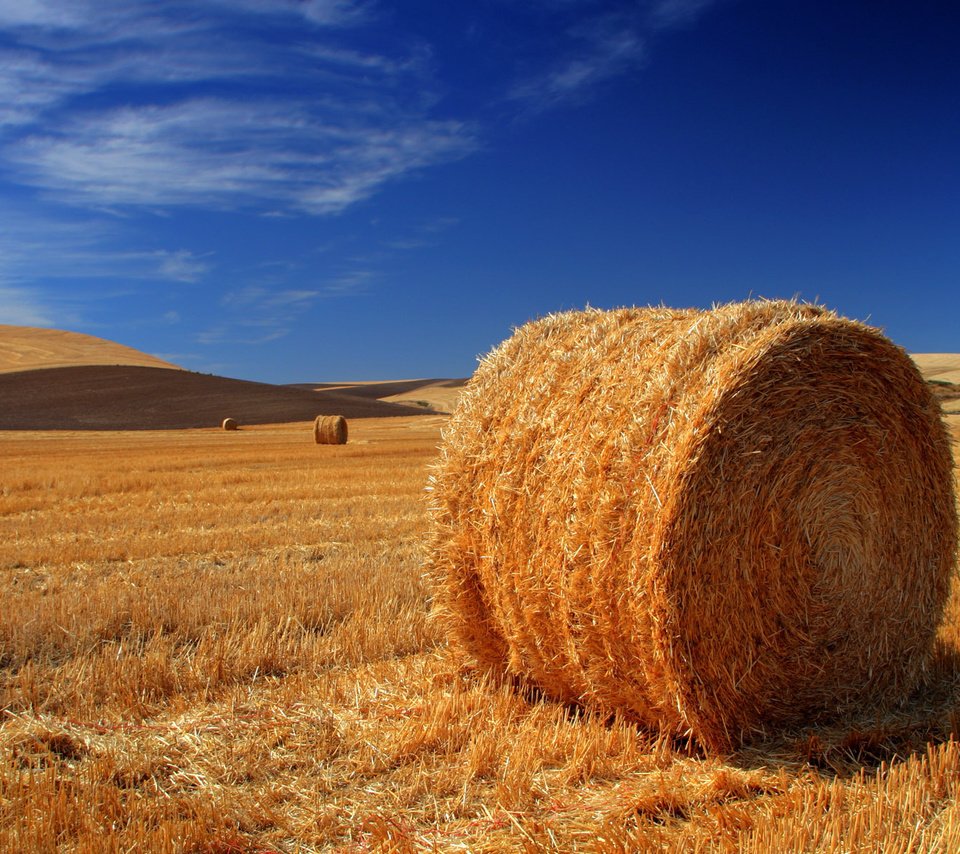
330, 430
719, 522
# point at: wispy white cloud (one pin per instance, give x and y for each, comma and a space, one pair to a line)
111, 16
407, 244
328, 13
39, 84
267, 298
215, 121
601, 50
34, 13
29, 84
248, 331
440, 223
260, 297
422, 235
341, 57
229, 155
351, 283
21, 307
181, 266
677, 13
602, 44
45, 249
264, 312
239, 136
117, 108
370, 156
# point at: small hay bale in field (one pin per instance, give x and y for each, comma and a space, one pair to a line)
719, 522
229, 423
330, 430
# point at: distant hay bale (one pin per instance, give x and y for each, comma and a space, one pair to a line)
330, 430
229, 423
719, 522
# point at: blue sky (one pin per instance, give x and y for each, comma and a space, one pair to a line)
289, 190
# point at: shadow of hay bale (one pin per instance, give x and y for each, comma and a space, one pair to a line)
870, 743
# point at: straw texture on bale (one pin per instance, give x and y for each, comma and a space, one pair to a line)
718, 522
330, 430
229, 423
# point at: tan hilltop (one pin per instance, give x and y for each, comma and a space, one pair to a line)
438, 395
26, 348
942, 367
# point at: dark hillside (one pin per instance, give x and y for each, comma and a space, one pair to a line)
126, 397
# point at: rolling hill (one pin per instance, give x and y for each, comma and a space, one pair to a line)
25, 348
56, 380
132, 397
944, 367
438, 395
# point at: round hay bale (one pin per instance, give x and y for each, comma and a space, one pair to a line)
330, 430
229, 423
718, 522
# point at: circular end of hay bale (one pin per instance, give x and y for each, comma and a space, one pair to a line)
229, 424
330, 430
723, 523
823, 492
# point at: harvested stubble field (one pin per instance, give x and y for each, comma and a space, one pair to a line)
220, 642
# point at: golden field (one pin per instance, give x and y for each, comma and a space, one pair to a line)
220, 642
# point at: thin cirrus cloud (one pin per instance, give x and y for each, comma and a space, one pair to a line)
224, 128
267, 107
330, 13
24, 303
665, 14
226, 155
20, 307
256, 314
181, 266
263, 312
115, 105
111, 18
47, 13
37, 248
601, 57
29, 85
600, 48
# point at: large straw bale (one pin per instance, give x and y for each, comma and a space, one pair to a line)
330, 430
229, 424
719, 522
